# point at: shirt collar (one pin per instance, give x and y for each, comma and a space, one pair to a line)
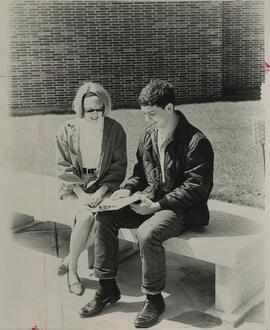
167, 133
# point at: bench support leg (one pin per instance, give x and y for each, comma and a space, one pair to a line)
239, 289
20, 221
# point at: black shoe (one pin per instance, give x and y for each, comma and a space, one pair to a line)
148, 316
101, 299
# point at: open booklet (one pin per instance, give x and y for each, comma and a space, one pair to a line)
109, 204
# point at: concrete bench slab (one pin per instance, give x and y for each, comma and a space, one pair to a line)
233, 242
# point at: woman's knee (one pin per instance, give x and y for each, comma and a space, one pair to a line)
84, 217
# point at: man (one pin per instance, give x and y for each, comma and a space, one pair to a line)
174, 177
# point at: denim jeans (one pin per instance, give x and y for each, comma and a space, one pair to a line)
152, 231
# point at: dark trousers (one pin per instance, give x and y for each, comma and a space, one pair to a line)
152, 230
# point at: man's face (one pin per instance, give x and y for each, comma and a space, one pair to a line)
156, 116
93, 108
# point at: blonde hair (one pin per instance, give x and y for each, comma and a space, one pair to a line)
95, 89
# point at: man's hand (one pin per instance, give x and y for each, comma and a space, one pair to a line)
121, 193
145, 207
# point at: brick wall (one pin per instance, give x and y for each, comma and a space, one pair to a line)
56, 45
243, 45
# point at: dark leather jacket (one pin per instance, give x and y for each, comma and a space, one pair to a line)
188, 166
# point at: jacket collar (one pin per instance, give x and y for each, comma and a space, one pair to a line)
181, 129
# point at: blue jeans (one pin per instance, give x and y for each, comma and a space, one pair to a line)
152, 231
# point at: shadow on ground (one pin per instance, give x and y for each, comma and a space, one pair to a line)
198, 319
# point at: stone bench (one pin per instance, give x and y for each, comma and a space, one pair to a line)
34, 198
233, 242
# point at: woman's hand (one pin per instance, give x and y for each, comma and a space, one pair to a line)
96, 198
121, 193
85, 198
91, 200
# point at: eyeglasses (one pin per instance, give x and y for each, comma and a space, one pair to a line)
94, 110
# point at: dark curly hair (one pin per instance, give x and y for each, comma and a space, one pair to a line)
157, 92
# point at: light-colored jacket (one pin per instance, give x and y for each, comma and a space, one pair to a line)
113, 161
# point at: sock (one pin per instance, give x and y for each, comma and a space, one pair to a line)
155, 298
107, 285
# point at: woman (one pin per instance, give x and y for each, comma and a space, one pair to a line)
91, 161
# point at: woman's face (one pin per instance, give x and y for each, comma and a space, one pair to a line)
93, 108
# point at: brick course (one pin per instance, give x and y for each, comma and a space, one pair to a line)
203, 48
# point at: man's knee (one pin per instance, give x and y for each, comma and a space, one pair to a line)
102, 217
146, 235
103, 220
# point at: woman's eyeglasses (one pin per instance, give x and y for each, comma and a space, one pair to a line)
94, 110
